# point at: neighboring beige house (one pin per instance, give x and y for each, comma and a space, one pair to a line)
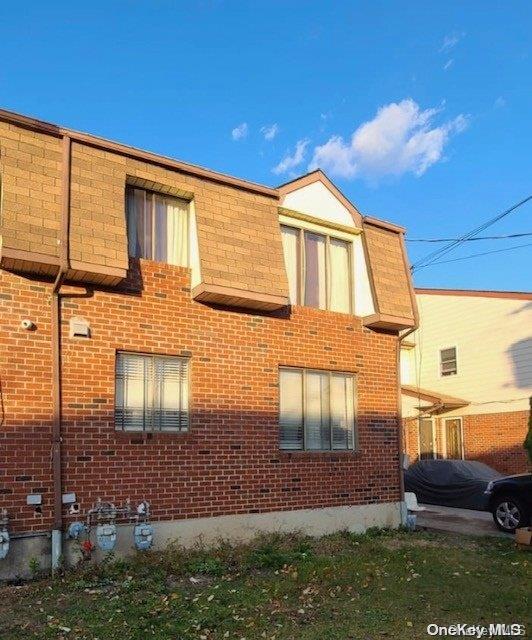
466, 377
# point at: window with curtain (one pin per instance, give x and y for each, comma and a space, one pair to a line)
157, 226
448, 364
316, 410
318, 268
151, 393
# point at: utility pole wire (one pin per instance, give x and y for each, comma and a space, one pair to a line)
476, 255
434, 255
510, 235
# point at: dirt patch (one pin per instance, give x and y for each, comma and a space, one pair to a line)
448, 542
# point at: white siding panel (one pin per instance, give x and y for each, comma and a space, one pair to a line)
493, 338
316, 200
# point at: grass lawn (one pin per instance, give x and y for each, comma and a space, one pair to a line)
380, 585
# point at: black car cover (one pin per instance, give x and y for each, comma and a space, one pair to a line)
451, 483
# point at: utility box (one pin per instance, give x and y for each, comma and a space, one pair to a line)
106, 536
523, 537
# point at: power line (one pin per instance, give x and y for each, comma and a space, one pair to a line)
434, 255
510, 235
476, 255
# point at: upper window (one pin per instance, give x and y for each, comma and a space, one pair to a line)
318, 268
157, 226
151, 393
448, 366
317, 410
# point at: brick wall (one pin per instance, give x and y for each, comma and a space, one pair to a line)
493, 438
497, 439
230, 461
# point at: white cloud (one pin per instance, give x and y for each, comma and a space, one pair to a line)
451, 40
499, 103
239, 132
294, 160
448, 64
401, 138
270, 131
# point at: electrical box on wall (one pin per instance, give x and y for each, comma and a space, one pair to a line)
79, 328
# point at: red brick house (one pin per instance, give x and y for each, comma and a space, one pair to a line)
224, 350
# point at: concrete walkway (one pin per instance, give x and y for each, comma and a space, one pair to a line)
454, 520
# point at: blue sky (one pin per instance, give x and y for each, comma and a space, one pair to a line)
419, 111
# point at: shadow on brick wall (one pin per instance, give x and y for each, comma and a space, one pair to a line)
229, 462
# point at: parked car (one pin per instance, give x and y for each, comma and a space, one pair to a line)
510, 501
451, 483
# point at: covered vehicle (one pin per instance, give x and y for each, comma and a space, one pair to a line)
451, 483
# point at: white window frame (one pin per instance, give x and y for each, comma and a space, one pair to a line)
450, 375
304, 449
444, 420
155, 356
329, 235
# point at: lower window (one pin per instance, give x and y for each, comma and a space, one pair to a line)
317, 410
151, 393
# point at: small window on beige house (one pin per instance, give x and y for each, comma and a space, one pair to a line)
318, 267
448, 365
157, 226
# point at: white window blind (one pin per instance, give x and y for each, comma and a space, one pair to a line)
317, 410
291, 408
157, 227
151, 393
318, 269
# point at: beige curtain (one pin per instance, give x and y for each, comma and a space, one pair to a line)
177, 232
290, 248
158, 227
339, 280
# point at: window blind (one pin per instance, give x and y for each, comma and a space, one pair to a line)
151, 393
316, 410
291, 408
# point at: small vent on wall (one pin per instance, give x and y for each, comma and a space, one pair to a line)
79, 328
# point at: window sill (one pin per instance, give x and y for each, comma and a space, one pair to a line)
146, 436
327, 456
350, 314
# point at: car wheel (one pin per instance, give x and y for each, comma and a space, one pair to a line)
509, 513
